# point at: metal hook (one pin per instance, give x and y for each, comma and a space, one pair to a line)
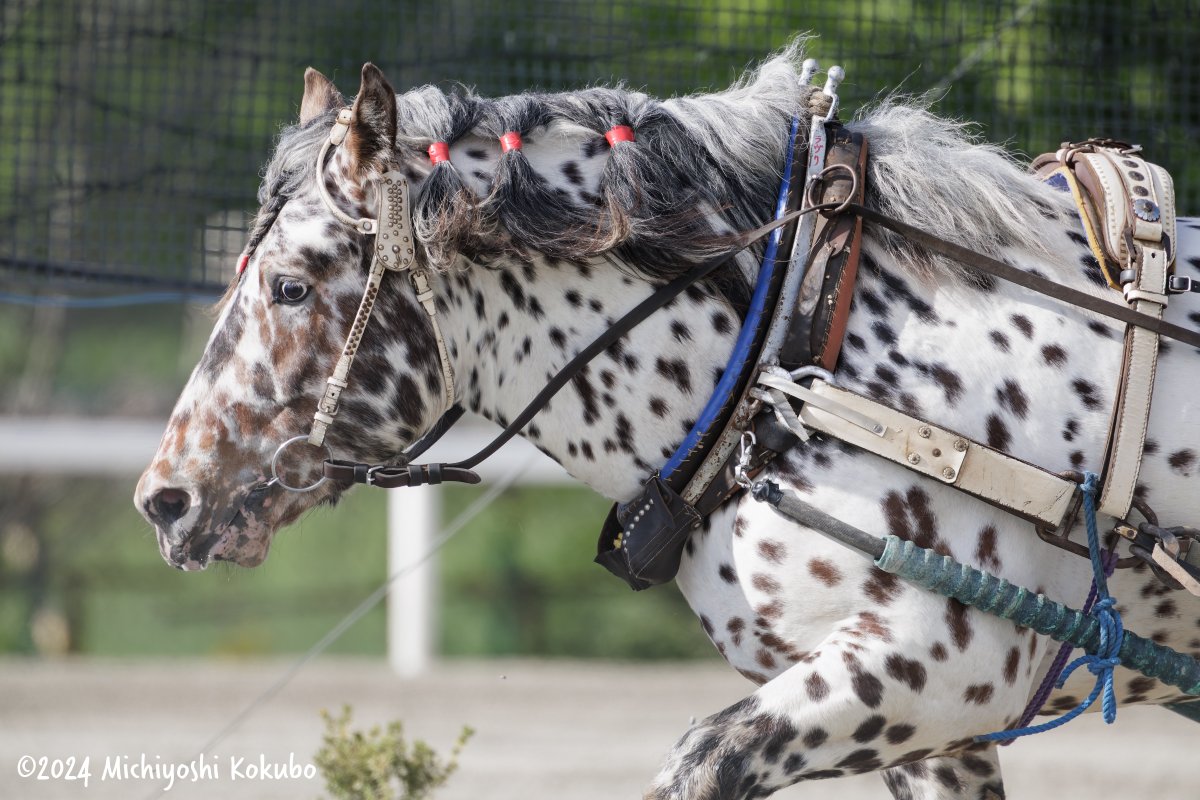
740, 476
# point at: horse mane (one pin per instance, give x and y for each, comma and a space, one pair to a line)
702, 167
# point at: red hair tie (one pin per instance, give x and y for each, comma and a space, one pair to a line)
439, 152
510, 141
619, 133
243, 260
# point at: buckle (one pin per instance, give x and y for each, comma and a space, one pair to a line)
1178, 284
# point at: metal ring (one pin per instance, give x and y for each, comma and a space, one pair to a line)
820, 177
275, 465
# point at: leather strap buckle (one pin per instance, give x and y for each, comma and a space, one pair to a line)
1178, 284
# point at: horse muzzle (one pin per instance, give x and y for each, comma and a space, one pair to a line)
191, 535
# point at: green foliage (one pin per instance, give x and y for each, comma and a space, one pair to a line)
380, 764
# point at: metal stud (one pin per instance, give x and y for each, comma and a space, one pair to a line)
913, 458
960, 445
924, 432
948, 473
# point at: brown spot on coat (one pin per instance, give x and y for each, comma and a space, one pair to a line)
771, 610
906, 670
1011, 397
1166, 609
958, 623
825, 571
815, 738
869, 729
1022, 323
882, 587
816, 687
985, 549
872, 625
1010, 665
1054, 355
735, 627
997, 433
772, 551
938, 652
978, 693
1181, 462
751, 675
765, 583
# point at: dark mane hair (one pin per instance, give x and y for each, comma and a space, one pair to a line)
701, 168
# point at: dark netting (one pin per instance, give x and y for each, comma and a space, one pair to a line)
134, 132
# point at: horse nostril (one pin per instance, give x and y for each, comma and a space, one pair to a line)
168, 506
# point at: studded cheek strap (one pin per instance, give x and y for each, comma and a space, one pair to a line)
395, 251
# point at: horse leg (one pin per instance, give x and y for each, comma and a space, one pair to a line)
856, 704
974, 775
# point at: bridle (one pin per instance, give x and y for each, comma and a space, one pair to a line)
394, 251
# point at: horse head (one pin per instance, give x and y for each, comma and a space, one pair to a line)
281, 326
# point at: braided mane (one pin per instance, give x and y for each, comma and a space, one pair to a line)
702, 168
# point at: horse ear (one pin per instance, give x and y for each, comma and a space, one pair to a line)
320, 95
372, 135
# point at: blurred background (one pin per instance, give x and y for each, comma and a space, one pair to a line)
133, 135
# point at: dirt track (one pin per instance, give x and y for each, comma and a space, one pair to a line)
568, 731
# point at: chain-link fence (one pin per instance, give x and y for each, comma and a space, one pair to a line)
134, 130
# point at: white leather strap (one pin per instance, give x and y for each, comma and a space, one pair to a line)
981, 471
1132, 413
341, 126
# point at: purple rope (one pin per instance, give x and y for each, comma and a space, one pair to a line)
1109, 558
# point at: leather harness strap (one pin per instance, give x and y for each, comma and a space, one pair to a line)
978, 262
1016, 486
819, 325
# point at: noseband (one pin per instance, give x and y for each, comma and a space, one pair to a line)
394, 251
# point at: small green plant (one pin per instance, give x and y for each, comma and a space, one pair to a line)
380, 764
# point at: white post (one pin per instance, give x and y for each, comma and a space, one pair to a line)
412, 523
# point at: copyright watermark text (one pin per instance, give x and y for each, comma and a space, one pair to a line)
82, 770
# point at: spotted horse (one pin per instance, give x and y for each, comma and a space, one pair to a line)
536, 222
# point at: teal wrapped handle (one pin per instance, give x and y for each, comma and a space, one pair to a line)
982, 590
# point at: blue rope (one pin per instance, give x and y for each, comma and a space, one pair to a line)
1112, 633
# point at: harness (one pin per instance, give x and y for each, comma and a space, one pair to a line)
790, 341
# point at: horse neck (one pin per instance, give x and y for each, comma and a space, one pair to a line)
512, 326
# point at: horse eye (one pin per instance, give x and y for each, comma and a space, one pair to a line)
289, 290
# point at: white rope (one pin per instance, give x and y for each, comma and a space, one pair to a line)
357, 613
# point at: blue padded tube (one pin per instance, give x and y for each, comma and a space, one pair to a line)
741, 348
